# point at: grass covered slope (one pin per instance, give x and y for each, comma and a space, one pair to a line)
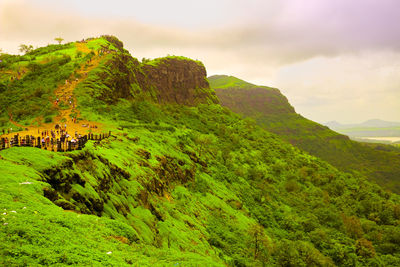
184, 183
169, 79
249, 99
101, 72
271, 110
28, 83
190, 186
228, 82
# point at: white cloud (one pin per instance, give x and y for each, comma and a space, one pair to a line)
348, 87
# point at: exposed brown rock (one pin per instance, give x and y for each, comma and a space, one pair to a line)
179, 81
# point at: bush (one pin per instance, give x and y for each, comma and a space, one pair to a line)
48, 119
3, 87
291, 186
364, 248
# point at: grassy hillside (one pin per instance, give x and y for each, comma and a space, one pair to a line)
194, 186
271, 110
28, 83
103, 72
224, 82
185, 185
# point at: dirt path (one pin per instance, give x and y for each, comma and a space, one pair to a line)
66, 105
65, 92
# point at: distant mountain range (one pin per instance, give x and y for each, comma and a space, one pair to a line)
369, 128
376, 123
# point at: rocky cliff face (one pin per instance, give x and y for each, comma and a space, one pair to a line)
119, 78
164, 80
179, 80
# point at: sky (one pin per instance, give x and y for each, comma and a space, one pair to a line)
333, 59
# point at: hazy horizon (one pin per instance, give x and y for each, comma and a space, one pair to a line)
334, 60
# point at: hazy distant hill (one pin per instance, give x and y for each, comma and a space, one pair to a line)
369, 128
333, 124
374, 123
272, 111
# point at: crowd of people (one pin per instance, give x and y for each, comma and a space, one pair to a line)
58, 139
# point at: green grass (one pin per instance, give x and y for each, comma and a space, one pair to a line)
165, 206
47, 68
164, 60
225, 81
183, 185
42, 233
97, 43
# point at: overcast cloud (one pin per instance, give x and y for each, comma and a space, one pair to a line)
333, 59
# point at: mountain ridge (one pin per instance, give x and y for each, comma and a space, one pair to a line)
368, 123
178, 181
280, 118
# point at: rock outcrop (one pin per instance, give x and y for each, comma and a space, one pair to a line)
179, 80
170, 79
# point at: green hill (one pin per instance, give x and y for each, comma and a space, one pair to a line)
272, 111
182, 181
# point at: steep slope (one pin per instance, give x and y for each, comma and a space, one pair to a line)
248, 99
273, 112
39, 87
91, 73
185, 184
194, 186
179, 80
170, 79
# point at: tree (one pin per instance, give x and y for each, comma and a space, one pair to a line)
260, 241
353, 226
364, 248
59, 40
25, 48
203, 141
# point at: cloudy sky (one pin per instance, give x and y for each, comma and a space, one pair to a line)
334, 59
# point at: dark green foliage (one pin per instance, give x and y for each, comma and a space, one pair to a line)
115, 78
271, 110
312, 214
3, 87
185, 186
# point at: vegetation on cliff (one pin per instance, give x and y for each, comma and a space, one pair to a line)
191, 185
272, 111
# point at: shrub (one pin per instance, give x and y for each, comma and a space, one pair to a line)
48, 119
364, 248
